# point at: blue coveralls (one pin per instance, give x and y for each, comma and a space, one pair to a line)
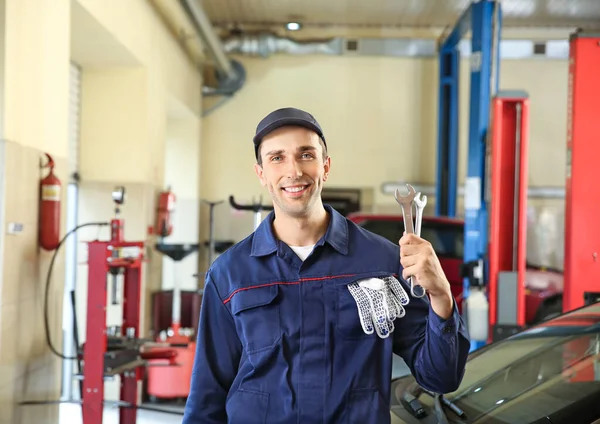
280, 340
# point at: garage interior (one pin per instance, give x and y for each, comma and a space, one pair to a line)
132, 121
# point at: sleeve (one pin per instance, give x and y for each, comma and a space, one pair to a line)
434, 349
218, 353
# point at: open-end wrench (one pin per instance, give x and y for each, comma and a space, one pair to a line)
420, 203
406, 203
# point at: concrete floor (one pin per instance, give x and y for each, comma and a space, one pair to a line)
71, 413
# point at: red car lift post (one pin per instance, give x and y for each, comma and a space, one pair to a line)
508, 214
582, 188
109, 257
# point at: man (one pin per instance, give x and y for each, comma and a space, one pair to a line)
287, 325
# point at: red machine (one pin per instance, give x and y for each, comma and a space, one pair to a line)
165, 382
109, 353
582, 227
49, 225
508, 214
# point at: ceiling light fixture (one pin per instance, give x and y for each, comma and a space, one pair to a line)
293, 26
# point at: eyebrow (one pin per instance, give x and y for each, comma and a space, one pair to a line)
281, 151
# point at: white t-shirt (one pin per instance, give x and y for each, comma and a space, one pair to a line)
302, 251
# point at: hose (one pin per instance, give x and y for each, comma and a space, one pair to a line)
48, 281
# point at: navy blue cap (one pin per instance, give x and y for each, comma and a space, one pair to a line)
284, 117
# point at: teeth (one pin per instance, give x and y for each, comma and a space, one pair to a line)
294, 189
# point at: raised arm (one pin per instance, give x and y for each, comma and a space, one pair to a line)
218, 353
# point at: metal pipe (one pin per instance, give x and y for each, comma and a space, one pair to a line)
209, 37
265, 44
429, 190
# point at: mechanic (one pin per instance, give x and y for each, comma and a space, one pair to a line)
291, 329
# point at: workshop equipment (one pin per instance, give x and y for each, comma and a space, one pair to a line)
582, 227
211, 230
482, 20
407, 202
108, 352
162, 310
508, 216
50, 208
256, 207
164, 381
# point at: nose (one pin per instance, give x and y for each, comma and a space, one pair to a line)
294, 169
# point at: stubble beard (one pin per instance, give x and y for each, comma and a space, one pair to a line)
295, 208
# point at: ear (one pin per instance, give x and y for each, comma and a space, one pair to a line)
326, 168
260, 174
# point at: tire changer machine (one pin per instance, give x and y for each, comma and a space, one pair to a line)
108, 352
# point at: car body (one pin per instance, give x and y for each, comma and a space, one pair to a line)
543, 287
548, 373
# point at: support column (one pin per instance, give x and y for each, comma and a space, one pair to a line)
508, 214
582, 191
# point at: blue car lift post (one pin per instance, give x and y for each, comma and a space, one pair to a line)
479, 18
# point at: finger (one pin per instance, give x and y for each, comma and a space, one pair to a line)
410, 271
364, 307
409, 249
410, 260
398, 291
410, 238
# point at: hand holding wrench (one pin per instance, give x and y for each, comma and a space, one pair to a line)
406, 203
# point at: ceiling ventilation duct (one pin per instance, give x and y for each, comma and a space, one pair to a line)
267, 44
264, 45
230, 74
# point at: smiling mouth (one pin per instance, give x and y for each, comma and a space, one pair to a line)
295, 190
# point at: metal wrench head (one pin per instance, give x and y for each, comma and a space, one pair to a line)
406, 202
420, 201
405, 199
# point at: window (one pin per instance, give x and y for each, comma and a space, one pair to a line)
446, 238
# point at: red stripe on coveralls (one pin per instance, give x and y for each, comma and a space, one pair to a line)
302, 280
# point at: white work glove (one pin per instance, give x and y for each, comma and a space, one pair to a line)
379, 302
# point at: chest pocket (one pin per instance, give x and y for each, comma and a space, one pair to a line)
348, 323
256, 312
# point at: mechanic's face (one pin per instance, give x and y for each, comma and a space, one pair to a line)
293, 169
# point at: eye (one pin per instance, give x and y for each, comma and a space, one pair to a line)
274, 158
307, 156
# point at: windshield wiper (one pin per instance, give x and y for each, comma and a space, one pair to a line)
443, 401
411, 402
439, 411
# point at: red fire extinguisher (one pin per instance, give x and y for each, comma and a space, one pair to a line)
166, 206
49, 220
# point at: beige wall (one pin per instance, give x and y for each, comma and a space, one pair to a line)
35, 99
380, 119
182, 173
134, 72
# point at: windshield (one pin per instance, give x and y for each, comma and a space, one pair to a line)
533, 375
446, 239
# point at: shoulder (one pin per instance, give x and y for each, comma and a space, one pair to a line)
235, 256
368, 239
372, 251
236, 268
